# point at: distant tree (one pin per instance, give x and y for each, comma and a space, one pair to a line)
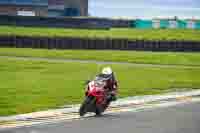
175, 18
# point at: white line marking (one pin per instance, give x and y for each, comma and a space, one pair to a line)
68, 118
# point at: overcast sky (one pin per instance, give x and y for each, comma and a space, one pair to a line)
145, 8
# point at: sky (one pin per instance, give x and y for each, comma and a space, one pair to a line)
145, 8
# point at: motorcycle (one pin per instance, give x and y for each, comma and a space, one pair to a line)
95, 97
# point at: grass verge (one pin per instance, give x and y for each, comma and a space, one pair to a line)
28, 86
132, 34
167, 58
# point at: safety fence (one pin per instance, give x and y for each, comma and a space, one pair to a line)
63, 22
97, 43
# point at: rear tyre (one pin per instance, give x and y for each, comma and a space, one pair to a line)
98, 111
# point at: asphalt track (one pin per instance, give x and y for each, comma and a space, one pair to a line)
182, 118
95, 62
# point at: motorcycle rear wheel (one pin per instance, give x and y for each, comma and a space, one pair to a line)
98, 111
101, 109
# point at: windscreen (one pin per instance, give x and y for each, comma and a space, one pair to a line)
99, 83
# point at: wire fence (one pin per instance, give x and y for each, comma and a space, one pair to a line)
97, 44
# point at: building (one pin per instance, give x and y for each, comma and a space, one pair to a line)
44, 7
173, 23
143, 24
156, 23
24, 7
166, 23
197, 26
191, 23
68, 8
182, 24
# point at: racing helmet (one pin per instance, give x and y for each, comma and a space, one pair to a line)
107, 71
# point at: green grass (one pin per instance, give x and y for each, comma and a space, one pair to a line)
132, 34
4, 122
28, 86
169, 58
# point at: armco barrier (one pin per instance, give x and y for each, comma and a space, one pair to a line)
97, 43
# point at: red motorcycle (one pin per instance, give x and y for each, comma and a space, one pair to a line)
96, 97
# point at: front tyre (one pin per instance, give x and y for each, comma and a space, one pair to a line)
82, 110
84, 107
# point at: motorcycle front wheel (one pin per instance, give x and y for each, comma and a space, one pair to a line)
85, 106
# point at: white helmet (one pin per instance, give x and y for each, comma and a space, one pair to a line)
107, 71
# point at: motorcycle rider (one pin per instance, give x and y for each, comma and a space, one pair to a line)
111, 82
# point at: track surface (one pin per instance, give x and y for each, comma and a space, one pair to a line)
182, 118
96, 62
